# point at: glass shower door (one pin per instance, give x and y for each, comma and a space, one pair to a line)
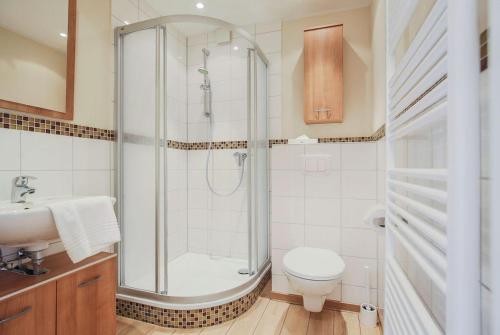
141, 155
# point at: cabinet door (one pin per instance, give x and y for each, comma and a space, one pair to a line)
86, 301
323, 75
32, 312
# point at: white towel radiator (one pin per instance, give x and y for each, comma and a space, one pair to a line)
432, 252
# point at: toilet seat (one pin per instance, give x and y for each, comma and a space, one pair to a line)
313, 264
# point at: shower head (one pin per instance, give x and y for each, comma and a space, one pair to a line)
203, 71
205, 52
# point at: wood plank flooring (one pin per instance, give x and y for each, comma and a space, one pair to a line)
266, 317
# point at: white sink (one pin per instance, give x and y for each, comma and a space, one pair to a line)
29, 225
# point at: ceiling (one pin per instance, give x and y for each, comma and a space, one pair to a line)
244, 12
39, 20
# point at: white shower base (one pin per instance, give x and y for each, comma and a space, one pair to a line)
198, 274
192, 274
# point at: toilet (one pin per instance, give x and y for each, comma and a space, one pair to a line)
314, 273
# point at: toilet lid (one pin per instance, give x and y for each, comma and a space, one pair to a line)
313, 263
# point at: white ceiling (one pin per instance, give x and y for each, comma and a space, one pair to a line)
243, 12
39, 20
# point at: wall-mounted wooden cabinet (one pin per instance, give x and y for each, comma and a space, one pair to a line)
323, 77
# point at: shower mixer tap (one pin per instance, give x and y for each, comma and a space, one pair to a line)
240, 156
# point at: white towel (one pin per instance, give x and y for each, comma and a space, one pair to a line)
86, 226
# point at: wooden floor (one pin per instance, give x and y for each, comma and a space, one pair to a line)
266, 317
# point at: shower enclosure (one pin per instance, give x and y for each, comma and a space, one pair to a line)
192, 161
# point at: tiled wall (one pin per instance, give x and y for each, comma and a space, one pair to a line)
325, 210
218, 224
63, 165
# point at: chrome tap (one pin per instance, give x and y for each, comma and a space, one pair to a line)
20, 188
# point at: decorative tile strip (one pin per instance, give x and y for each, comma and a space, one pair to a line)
217, 145
278, 141
345, 139
39, 125
380, 133
197, 318
177, 145
483, 41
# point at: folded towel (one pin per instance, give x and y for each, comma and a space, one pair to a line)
86, 226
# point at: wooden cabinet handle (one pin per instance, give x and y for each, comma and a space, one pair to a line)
89, 282
25, 311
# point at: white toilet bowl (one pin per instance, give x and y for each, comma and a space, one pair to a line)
314, 273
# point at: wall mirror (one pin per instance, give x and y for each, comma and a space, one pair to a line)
37, 56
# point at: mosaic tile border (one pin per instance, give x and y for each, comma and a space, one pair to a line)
47, 126
54, 127
483, 42
197, 318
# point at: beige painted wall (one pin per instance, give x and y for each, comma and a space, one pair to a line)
94, 65
357, 75
378, 63
31, 73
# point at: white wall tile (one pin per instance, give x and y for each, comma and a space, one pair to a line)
10, 142
322, 237
381, 164
322, 212
356, 295
6, 179
91, 182
90, 154
359, 243
44, 152
355, 271
51, 183
286, 157
359, 156
288, 183
197, 240
287, 209
354, 210
287, 236
359, 184
323, 185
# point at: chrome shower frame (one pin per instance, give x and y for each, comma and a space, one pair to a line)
159, 297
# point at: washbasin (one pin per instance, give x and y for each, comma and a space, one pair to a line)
29, 225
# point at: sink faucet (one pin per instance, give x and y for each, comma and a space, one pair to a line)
20, 188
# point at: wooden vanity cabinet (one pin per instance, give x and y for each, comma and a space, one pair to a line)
86, 301
31, 312
72, 299
323, 75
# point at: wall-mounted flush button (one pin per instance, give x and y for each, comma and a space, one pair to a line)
317, 163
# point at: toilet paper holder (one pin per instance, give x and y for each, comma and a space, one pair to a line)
375, 216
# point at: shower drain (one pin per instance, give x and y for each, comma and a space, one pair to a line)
243, 271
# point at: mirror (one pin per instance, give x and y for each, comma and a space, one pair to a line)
37, 56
